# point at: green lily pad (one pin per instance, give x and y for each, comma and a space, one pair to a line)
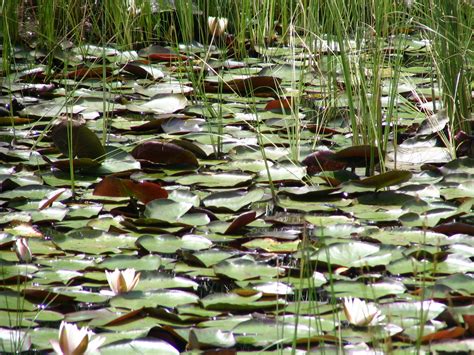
85, 143
93, 241
158, 298
263, 332
143, 346
116, 161
272, 246
462, 283
13, 301
216, 179
14, 319
161, 104
211, 338
406, 237
211, 257
33, 192
425, 310
14, 340
147, 262
352, 254
233, 200
166, 210
369, 291
282, 173
154, 280
229, 301
390, 178
169, 244
55, 276
246, 269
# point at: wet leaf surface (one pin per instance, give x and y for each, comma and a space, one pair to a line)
249, 212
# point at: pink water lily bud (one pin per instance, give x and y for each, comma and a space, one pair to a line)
122, 281
22, 250
217, 25
361, 313
75, 341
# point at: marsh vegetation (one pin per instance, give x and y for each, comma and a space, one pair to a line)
223, 177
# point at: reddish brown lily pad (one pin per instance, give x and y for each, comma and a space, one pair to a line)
241, 221
279, 105
454, 228
165, 153
78, 164
161, 54
84, 72
451, 333
357, 155
144, 191
261, 86
322, 160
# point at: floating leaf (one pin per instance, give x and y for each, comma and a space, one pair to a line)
204, 338
216, 179
160, 54
357, 156
227, 301
164, 153
454, 332
254, 85
233, 200
353, 254
160, 104
245, 269
369, 291
266, 331
322, 160
454, 228
163, 298
241, 221
434, 123
143, 346
169, 244
144, 191
389, 178
73, 136
142, 70
166, 210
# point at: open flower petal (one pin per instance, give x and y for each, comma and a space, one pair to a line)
361, 313
217, 25
73, 340
22, 250
122, 281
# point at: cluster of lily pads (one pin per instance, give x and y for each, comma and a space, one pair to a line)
218, 238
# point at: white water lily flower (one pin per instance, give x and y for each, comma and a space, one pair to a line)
22, 250
75, 341
361, 313
217, 25
122, 281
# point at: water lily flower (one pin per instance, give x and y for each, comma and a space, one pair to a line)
217, 25
361, 313
75, 341
22, 250
122, 281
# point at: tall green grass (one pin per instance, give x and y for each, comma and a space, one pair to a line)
361, 30
450, 28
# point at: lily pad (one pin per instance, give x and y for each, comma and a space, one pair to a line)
233, 200
246, 269
163, 298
